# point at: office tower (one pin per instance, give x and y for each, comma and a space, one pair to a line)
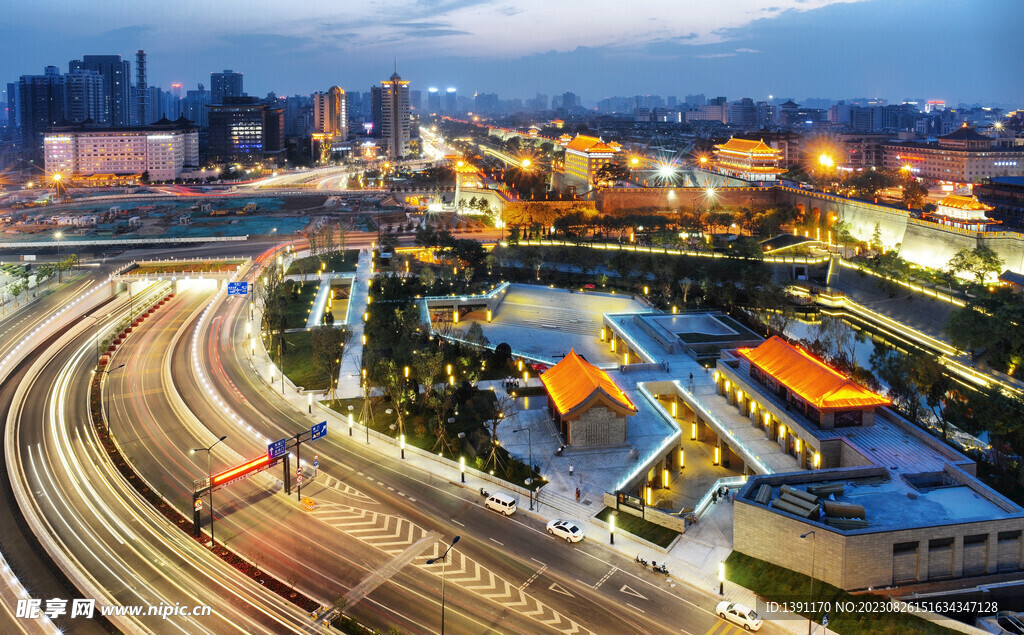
433, 100
117, 87
142, 101
485, 103
376, 109
244, 130
196, 102
451, 101
570, 101
395, 115
743, 113
41, 102
83, 96
671, 101
225, 84
696, 100
330, 113
415, 100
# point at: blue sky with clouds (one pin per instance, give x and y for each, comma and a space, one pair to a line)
957, 50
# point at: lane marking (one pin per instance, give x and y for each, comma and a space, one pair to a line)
628, 591
558, 588
496, 542
635, 607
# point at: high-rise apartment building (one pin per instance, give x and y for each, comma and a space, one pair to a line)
83, 96
225, 84
377, 109
415, 100
41, 105
451, 101
433, 100
395, 123
195, 105
330, 113
117, 87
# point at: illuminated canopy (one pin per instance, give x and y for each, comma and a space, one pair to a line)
574, 385
808, 377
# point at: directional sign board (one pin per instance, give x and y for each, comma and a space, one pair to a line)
238, 288
276, 449
318, 430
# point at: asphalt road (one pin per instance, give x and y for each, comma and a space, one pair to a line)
107, 531
374, 515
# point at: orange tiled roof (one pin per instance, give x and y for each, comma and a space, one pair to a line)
573, 381
808, 377
970, 203
746, 146
583, 143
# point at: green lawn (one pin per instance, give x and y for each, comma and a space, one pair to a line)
777, 583
337, 262
661, 536
298, 309
298, 362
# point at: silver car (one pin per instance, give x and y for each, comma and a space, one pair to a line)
567, 529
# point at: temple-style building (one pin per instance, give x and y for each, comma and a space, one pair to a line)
965, 212
585, 403
584, 156
747, 160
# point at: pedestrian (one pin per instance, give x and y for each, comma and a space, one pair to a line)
714, 498
577, 494
570, 469
691, 379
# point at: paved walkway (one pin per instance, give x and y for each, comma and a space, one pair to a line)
323, 292
349, 374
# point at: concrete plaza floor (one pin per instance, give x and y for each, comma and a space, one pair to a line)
545, 324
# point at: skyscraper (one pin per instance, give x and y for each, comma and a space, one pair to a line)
117, 87
244, 130
41, 100
196, 102
395, 115
225, 84
433, 100
330, 113
83, 96
376, 109
415, 100
451, 101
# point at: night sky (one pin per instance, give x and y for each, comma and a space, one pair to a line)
956, 50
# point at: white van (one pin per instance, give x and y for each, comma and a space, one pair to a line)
501, 503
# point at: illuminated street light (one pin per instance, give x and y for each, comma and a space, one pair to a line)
444, 564
826, 161
209, 481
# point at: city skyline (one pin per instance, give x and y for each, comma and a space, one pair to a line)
857, 47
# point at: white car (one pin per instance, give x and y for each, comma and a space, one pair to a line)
739, 614
568, 529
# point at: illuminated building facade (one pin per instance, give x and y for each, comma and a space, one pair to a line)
963, 156
243, 130
165, 151
584, 156
330, 113
965, 212
395, 121
747, 160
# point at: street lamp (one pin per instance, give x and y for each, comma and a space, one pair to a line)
209, 481
444, 565
611, 528
529, 439
60, 271
814, 544
721, 577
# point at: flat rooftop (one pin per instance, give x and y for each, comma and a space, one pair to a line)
893, 502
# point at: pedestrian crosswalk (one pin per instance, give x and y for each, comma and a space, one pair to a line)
722, 627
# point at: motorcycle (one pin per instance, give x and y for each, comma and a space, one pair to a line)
660, 569
484, 492
640, 560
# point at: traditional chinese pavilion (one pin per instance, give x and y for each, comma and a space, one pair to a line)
748, 160
585, 403
965, 212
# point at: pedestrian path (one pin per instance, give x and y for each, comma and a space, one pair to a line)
349, 374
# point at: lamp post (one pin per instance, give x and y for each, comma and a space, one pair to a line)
611, 528
529, 439
209, 481
444, 565
60, 272
721, 577
814, 544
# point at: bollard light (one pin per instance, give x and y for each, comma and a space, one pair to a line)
693, 432
401, 444
309, 402
611, 528
462, 467
718, 455
350, 424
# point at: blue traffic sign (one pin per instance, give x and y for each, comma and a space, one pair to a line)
318, 430
238, 288
277, 449
824, 620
